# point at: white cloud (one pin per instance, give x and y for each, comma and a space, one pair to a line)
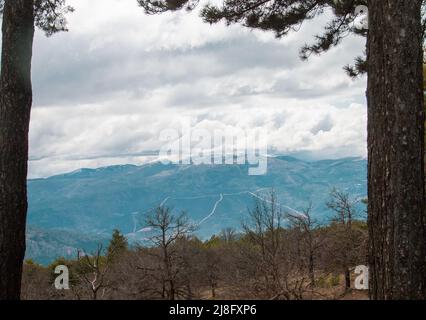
105, 90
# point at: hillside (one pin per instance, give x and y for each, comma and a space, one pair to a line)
95, 201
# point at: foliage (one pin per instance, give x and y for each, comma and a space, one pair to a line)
282, 17
50, 15
268, 259
118, 244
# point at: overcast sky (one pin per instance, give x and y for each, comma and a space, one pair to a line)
104, 91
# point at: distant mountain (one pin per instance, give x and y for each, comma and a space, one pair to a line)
95, 201
44, 246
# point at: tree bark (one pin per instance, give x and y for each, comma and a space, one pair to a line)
347, 279
311, 268
15, 106
396, 150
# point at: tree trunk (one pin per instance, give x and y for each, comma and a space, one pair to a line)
172, 295
311, 269
396, 150
347, 279
15, 105
213, 287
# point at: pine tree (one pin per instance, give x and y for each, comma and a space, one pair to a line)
284, 16
396, 151
117, 245
19, 20
396, 191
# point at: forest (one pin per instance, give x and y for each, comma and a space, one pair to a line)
275, 256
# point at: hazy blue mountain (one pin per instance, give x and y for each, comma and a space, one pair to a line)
95, 201
44, 246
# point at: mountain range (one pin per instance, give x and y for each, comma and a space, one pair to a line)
81, 208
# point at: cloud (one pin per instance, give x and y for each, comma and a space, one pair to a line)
104, 91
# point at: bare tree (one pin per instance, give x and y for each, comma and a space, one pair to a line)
93, 271
228, 235
167, 228
36, 284
345, 212
129, 278
272, 263
308, 237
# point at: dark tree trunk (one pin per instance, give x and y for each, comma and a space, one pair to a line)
213, 287
15, 105
347, 279
311, 269
395, 149
172, 295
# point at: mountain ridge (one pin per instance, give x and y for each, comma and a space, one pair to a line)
96, 201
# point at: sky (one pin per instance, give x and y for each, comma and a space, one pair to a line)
105, 90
